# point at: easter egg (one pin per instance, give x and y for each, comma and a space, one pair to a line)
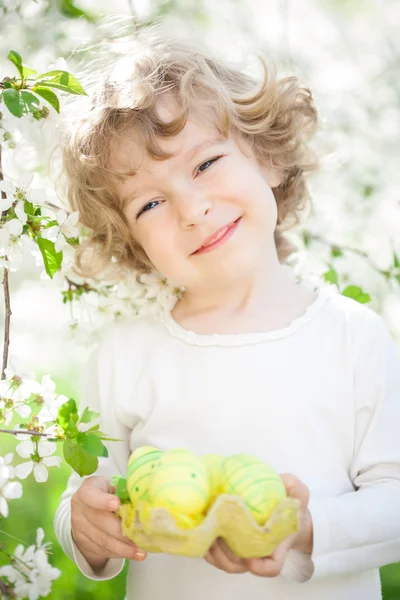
141, 465
255, 482
213, 464
180, 483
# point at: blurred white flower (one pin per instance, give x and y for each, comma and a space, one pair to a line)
40, 459
34, 575
66, 228
49, 411
13, 243
9, 490
19, 191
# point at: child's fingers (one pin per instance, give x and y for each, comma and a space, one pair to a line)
221, 557
270, 566
94, 493
296, 488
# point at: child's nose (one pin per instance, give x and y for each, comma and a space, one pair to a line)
192, 209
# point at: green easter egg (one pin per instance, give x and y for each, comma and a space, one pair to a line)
180, 483
255, 482
213, 464
141, 465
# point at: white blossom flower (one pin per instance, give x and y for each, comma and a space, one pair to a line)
66, 228
40, 459
50, 410
20, 191
9, 490
32, 579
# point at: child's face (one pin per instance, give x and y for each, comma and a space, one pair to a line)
182, 201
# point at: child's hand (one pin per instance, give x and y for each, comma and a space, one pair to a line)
96, 530
222, 557
272, 565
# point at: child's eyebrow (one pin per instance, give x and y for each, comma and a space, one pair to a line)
193, 151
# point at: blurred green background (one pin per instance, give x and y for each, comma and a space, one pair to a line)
347, 51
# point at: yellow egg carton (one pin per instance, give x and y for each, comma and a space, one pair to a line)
229, 518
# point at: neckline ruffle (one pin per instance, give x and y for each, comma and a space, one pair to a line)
193, 338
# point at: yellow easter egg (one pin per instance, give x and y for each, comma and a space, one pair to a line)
180, 483
141, 465
213, 464
255, 482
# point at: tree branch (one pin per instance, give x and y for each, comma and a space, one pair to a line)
7, 315
6, 591
27, 432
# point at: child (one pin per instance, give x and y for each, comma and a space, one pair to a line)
187, 167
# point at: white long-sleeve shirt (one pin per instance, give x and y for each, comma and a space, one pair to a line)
319, 398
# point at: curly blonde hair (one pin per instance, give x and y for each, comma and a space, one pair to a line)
277, 118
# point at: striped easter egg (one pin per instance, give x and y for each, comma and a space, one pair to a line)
141, 465
180, 483
213, 464
255, 482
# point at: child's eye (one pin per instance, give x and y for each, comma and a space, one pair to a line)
208, 163
146, 207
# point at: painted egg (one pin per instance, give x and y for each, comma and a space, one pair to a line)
141, 465
213, 464
255, 482
180, 483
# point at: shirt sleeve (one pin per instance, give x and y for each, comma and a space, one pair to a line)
97, 396
360, 530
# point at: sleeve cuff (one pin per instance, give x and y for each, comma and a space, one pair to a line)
111, 569
300, 566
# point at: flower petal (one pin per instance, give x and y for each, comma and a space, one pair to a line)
40, 472
8, 188
46, 448
52, 461
39, 536
3, 507
25, 449
14, 227
20, 212
12, 490
6, 203
51, 232
23, 470
23, 411
61, 216
60, 243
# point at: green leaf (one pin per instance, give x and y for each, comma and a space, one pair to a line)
52, 259
396, 261
61, 80
14, 102
81, 461
66, 413
121, 489
352, 291
336, 252
29, 208
92, 444
331, 276
306, 238
16, 59
30, 101
48, 95
69, 9
88, 415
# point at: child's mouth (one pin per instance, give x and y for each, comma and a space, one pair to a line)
221, 239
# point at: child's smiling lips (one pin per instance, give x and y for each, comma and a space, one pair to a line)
219, 237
